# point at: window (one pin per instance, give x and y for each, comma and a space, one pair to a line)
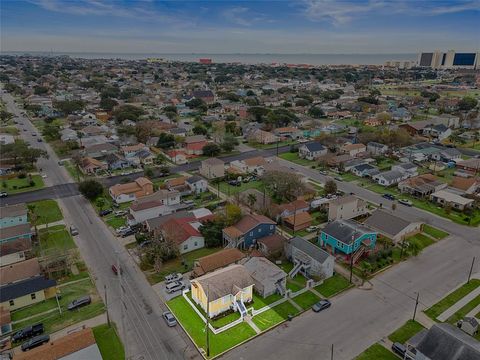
11, 302
260, 230
185, 247
196, 243
33, 296
271, 227
251, 233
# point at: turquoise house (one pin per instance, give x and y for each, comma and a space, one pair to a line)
347, 236
13, 215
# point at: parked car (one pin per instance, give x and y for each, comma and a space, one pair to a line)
323, 172
128, 232
338, 178
173, 277
399, 349
169, 318
33, 134
388, 197
77, 303
34, 342
405, 202
122, 229
312, 228
73, 230
115, 269
28, 332
175, 286
234, 183
119, 212
39, 140
3, 194
105, 212
321, 305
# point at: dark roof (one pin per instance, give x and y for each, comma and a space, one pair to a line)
344, 230
363, 167
13, 211
25, 287
193, 179
386, 223
310, 249
315, 146
447, 342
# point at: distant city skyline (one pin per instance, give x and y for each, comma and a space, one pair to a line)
240, 27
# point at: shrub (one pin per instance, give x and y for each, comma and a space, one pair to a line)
22, 175
31, 183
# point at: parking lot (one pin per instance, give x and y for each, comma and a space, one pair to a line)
161, 289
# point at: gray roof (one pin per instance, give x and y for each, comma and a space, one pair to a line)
193, 179
25, 287
13, 211
391, 175
447, 342
315, 146
310, 249
262, 269
363, 167
15, 231
345, 230
386, 223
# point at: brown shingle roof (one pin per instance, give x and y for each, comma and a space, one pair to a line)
220, 259
255, 161
13, 231
273, 242
13, 210
4, 316
61, 347
19, 271
299, 219
462, 183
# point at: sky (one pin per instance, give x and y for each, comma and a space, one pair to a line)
229, 26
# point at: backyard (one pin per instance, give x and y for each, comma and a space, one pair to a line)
44, 212
232, 189
17, 185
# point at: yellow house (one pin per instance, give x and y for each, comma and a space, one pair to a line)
27, 292
227, 288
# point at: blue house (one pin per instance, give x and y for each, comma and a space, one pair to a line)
13, 215
248, 231
348, 236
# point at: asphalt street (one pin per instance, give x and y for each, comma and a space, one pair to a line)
144, 332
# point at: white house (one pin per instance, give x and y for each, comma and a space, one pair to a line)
197, 184
312, 151
161, 203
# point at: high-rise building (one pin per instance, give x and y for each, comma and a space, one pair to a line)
449, 60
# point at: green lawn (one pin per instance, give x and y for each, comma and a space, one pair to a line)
46, 211
286, 266
434, 232
177, 266
55, 238
271, 146
377, 352
421, 240
74, 172
259, 302
293, 157
225, 320
231, 190
16, 185
333, 285
195, 327
109, 342
273, 316
306, 300
291, 285
116, 221
452, 298
460, 314
402, 334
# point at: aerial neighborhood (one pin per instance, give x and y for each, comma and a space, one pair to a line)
239, 197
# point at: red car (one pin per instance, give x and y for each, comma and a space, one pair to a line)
115, 270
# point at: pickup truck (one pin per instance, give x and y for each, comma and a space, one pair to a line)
28, 332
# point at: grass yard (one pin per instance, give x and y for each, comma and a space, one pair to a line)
225, 320
293, 286
452, 298
16, 185
54, 238
109, 342
333, 285
402, 334
271, 146
177, 266
45, 211
377, 352
421, 240
274, 316
306, 300
116, 221
231, 190
195, 327
460, 314
434, 232
286, 266
293, 157
259, 302
74, 172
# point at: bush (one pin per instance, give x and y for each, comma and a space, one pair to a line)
22, 175
31, 183
91, 189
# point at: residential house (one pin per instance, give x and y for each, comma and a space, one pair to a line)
98, 151
178, 157
294, 207
466, 185
268, 278
212, 168
443, 341
365, 170
248, 231
76, 345
421, 185
288, 132
179, 184
197, 184
27, 292
160, 203
216, 261
228, 288
408, 168
16, 232
5, 322
91, 166
312, 151
121, 193
137, 154
390, 177
308, 259
255, 165
68, 134
447, 155
205, 95
19, 271
472, 165
346, 207
353, 149
375, 148
339, 160
393, 226
262, 137
194, 144
272, 246
12, 215
346, 237
116, 162
439, 132
445, 197
298, 222
14, 251
184, 233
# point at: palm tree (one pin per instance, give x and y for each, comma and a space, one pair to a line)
251, 200
414, 248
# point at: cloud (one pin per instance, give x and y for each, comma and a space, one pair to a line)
236, 15
338, 12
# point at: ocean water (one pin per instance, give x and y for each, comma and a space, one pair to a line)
311, 59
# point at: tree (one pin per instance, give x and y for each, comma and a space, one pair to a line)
211, 230
40, 90
100, 203
148, 172
51, 132
251, 200
91, 189
330, 187
229, 142
211, 150
128, 112
233, 214
69, 106
467, 103
200, 130
108, 104
316, 112
166, 141
195, 103
284, 186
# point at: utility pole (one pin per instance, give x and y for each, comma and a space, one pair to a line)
122, 305
416, 304
207, 323
277, 147
331, 356
106, 304
471, 269
351, 259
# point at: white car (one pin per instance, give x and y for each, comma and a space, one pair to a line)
405, 202
120, 212
44, 176
312, 228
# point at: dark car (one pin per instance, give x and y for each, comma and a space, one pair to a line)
169, 318
28, 332
399, 349
105, 212
128, 232
234, 183
321, 305
34, 342
77, 303
388, 197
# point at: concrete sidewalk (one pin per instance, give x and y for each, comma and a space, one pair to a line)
458, 305
43, 226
